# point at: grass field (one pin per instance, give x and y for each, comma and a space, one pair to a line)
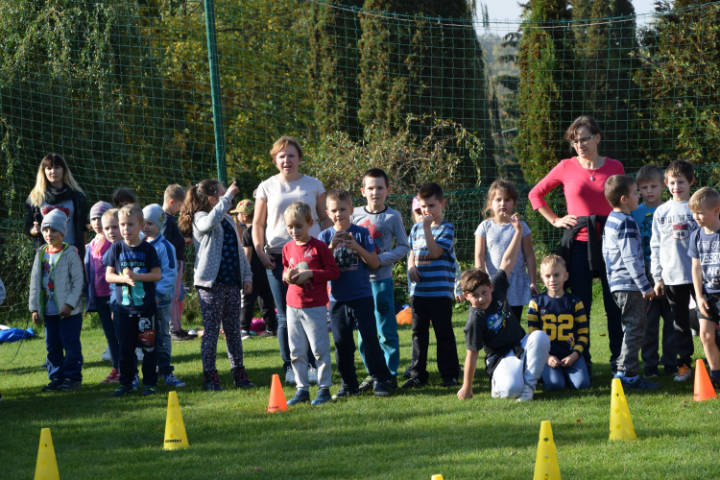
409, 435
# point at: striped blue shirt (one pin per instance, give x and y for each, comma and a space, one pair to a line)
437, 276
623, 254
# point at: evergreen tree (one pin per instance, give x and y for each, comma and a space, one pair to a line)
545, 61
606, 58
679, 78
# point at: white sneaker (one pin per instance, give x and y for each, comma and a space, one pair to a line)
289, 376
139, 354
106, 355
526, 395
312, 375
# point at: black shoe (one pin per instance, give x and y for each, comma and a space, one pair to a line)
382, 389
413, 382
122, 390
149, 390
651, 372
181, 335
267, 334
53, 386
366, 385
240, 377
345, 392
407, 373
69, 385
212, 381
450, 382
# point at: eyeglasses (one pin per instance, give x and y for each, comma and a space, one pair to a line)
584, 140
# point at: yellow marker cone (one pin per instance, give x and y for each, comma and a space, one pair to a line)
621, 425
546, 464
436, 476
46, 465
175, 436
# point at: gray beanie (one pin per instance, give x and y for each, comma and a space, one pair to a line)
155, 214
57, 220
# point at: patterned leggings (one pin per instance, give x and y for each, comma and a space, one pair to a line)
220, 305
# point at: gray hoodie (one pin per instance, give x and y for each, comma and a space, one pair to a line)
69, 281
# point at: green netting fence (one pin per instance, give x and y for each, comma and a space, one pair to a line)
426, 90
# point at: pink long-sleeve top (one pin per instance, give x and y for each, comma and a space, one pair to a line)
584, 188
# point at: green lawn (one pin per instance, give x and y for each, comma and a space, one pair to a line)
410, 435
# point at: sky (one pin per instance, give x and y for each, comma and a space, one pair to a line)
510, 10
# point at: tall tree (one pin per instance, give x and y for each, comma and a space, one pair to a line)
606, 59
681, 68
545, 61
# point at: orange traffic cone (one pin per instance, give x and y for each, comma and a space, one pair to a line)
277, 401
703, 386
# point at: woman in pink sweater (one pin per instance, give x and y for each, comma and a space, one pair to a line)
583, 181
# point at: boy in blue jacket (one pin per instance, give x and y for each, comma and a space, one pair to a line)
164, 290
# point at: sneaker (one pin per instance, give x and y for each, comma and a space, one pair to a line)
211, 381
149, 390
312, 375
382, 389
407, 373
289, 376
113, 376
670, 370
240, 377
244, 334
323, 396
366, 385
413, 382
267, 334
652, 372
345, 392
172, 381
450, 382
526, 394
301, 396
122, 390
192, 333
106, 355
181, 335
637, 383
53, 386
69, 385
683, 374
136, 383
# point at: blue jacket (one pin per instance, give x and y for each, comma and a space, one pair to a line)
165, 288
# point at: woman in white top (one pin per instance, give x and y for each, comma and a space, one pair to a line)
269, 233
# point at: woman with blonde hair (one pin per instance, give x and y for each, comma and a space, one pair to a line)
56, 188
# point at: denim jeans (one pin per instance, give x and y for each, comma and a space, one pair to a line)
64, 351
384, 300
634, 320
279, 294
344, 316
576, 374
102, 308
127, 331
581, 285
163, 342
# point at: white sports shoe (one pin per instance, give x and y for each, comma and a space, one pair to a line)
526, 395
106, 355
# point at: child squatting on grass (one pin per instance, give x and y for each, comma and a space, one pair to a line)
513, 360
562, 317
56, 287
